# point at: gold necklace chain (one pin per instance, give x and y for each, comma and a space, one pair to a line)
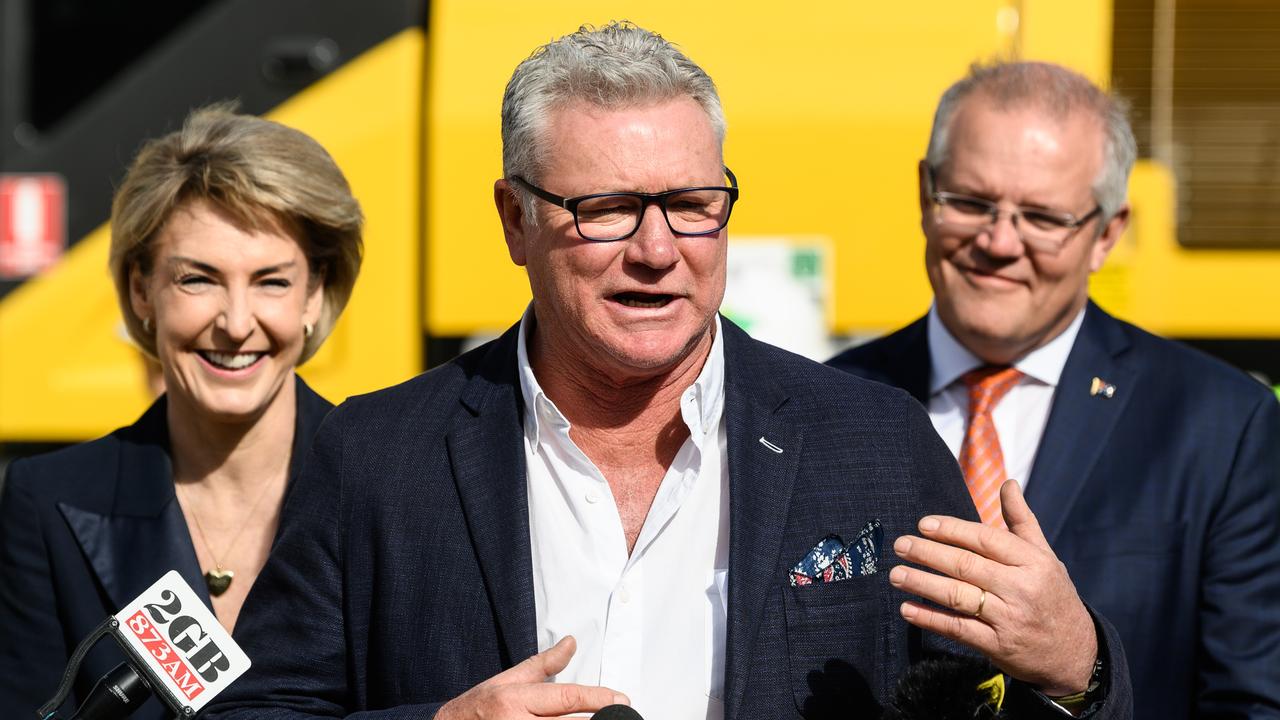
219, 579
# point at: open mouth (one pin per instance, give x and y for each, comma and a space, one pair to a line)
643, 300
230, 360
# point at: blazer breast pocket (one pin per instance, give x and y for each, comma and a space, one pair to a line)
837, 645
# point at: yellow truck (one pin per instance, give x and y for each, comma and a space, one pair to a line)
828, 104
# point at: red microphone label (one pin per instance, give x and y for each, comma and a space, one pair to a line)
160, 649
183, 643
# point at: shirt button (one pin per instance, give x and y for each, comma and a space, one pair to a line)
593, 496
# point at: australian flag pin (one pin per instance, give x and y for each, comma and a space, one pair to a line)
1102, 387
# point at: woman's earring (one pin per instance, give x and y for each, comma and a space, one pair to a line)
308, 329
146, 325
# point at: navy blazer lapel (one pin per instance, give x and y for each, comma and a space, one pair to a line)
900, 360
144, 534
760, 480
489, 469
1080, 422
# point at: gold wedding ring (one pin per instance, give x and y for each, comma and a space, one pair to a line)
982, 602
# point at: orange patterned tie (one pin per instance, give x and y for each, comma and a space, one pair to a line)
981, 460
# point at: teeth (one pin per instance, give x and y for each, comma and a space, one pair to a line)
633, 302
232, 361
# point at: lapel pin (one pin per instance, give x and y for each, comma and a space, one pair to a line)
1101, 387
770, 445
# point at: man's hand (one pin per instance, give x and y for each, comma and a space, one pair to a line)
523, 692
1007, 594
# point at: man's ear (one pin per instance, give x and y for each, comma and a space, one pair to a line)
1111, 234
511, 213
140, 294
922, 173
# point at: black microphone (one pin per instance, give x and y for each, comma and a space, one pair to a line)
617, 712
949, 687
116, 695
175, 649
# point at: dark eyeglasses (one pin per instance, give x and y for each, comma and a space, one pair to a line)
607, 217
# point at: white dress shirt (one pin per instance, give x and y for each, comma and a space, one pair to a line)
652, 624
1020, 417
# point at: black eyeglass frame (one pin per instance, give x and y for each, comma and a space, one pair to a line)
1068, 221
646, 199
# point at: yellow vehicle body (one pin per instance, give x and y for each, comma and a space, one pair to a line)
829, 107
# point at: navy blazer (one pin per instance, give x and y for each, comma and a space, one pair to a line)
403, 573
1163, 501
85, 530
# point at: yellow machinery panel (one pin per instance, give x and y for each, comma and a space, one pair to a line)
829, 108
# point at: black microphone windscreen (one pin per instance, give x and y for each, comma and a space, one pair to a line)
116, 695
616, 712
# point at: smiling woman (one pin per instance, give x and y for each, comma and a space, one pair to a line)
235, 246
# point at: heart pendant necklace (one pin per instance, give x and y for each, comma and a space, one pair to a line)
219, 578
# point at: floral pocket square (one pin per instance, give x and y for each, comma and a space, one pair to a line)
831, 560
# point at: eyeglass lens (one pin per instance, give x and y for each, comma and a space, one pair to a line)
690, 212
974, 214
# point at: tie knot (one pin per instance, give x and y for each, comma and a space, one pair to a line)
988, 384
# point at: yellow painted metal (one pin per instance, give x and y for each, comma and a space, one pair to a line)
1075, 33
66, 372
1152, 280
829, 107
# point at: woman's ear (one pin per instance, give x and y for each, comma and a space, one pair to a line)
140, 295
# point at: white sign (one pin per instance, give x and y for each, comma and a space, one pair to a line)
182, 641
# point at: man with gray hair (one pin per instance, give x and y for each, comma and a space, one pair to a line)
1154, 470
625, 499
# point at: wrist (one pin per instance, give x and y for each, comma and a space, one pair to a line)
1078, 701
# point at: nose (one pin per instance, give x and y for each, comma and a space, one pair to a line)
1001, 238
653, 245
236, 319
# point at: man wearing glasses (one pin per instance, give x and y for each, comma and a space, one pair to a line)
627, 496
1154, 470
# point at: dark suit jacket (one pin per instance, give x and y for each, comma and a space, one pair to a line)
403, 573
1164, 503
85, 530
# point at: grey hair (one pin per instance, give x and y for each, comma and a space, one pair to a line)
616, 66
1059, 92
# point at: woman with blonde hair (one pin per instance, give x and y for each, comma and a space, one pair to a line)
235, 245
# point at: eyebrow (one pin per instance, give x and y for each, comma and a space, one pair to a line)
211, 270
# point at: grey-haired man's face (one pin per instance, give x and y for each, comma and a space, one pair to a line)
643, 305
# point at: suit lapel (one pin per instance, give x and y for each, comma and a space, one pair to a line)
489, 469
1079, 422
144, 534
760, 482
909, 366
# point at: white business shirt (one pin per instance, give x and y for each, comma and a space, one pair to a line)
1020, 417
652, 624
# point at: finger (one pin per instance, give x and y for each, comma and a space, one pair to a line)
537, 668
965, 630
952, 561
1018, 516
959, 597
555, 699
995, 543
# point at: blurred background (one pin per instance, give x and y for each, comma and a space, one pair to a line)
829, 106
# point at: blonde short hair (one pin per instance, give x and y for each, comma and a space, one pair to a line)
257, 171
